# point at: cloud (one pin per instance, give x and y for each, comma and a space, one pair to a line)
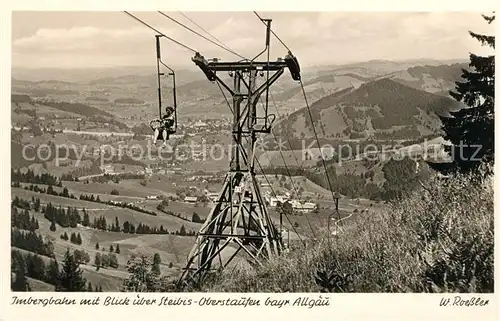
314, 37
87, 38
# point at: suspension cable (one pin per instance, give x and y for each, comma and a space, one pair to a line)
160, 33
200, 35
301, 166
317, 140
289, 173
166, 66
227, 101
262, 20
204, 30
310, 115
292, 181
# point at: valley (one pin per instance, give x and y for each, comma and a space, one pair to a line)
82, 147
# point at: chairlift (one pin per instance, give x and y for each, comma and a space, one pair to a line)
166, 124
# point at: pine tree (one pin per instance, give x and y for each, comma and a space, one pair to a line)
89, 287
141, 278
71, 279
111, 249
53, 226
78, 239
117, 249
86, 218
104, 260
196, 218
37, 205
471, 130
113, 260
97, 246
156, 263
53, 273
35, 267
20, 283
33, 224
97, 261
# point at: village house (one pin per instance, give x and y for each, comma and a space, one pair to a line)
213, 196
107, 169
307, 207
190, 199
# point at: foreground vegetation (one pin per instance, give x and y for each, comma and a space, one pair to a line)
438, 239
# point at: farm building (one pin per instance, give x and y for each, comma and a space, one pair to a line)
190, 199
307, 207
213, 196
107, 169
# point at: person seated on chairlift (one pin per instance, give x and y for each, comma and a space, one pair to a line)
166, 123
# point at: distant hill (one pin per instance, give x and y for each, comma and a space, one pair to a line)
383, 67
435, 79
128, 101
381, 109
76, 108
148, 77
86, 75
20, 98
321, 86
198, 96
16, 82
201, 88
45, 92
96, 99
429, 75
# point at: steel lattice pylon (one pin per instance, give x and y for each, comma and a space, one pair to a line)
239, 218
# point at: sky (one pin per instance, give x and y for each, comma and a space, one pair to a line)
106, 39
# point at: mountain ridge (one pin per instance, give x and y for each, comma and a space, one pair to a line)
375, 109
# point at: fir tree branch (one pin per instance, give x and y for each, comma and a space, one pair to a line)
490, 19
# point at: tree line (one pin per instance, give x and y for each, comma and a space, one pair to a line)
30, 177
32, 242
23, 221
70, 217
50, 190
162, 208
75, 238
96, 199
90, 198
67, 278
64, 218
400, 177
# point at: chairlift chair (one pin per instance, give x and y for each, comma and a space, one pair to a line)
168, 122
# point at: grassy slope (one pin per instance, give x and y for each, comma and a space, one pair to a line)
110, 212
428, 242
40, 286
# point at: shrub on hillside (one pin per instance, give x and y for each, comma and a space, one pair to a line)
439, 239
